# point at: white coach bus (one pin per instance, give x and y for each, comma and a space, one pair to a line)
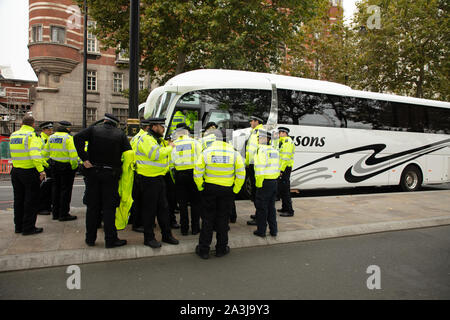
343, 137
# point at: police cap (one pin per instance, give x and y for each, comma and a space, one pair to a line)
152, 121
112, 118
256, 118
46, 125
283, 129
264, 133
210, 125
182, 126
65, 123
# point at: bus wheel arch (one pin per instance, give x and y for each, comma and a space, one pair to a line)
411, 178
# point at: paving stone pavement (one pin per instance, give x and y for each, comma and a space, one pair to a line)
62, 243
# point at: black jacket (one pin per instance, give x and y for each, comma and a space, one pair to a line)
106, 144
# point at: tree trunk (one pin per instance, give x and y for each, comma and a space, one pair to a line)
181, 62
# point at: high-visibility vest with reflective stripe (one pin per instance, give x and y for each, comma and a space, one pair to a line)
25, 148
267, 164
135, 139
185, 153
60, 147
152, 158
178, 117
252, 146
222, 165
44, 139
207, 140
286, 152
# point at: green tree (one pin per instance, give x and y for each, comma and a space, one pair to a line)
178, 36
323, 49
409, 53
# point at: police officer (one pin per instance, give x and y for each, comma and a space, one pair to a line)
26, 175
208, 136
183, 158
179, 117
64, 163
220, 174
286, 148
103, 163
251, 147
152, 162
267, 171
45, 192
135, 216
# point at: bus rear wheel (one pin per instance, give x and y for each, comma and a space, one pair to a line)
411, 179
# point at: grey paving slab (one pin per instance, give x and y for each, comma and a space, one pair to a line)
62, 243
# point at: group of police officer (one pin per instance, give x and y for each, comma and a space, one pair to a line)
205, 174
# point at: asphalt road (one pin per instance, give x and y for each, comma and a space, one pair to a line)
413, 264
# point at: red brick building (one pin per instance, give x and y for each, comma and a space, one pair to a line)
56, 55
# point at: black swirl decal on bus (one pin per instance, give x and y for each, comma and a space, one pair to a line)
370, 165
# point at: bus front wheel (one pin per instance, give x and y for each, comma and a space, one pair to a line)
411, 179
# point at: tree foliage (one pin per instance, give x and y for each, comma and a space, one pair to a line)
178, 36
409, 53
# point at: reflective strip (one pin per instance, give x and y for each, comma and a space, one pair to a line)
20, 158
35, 149
152, 163
198, 175
60, 158
18, 151
268, 171
210, 175
220, 168
35, 157
153, 149
200, 169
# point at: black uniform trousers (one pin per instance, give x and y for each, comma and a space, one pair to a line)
25, 184
251, 175
265, 207
102, 199
171, 198
45, 192
284, 188
153, 190
63, 177
217, 202
186, 191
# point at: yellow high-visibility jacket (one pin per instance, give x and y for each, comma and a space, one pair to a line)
60, 147
152, 158
125, 189
267, 164
185, 153
25, 148
252, 146
287, 148
222, 165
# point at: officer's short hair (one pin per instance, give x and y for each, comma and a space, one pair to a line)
28, 120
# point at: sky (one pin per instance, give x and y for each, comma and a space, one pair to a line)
14, 35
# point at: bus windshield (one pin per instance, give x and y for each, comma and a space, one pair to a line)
162, 104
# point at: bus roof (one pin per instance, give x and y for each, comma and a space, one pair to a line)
221, 78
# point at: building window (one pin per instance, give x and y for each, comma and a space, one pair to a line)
92, 80
141, 83
118, 82
58, 34
121, 114
91, 115
91, 39
36, 33
123, 55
